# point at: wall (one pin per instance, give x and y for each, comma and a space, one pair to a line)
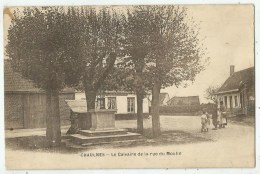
121, 101
13, 109
28, 110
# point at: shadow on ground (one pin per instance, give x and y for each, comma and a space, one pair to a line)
38, 143
243, 120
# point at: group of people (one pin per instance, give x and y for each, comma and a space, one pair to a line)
219, 119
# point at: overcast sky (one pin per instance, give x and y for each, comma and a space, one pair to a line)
228, 32
229, 39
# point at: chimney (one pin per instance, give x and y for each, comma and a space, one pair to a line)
232, 69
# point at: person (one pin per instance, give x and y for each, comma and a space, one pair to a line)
222, 115
204, 122
215, 118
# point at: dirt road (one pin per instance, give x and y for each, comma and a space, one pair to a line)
229, 147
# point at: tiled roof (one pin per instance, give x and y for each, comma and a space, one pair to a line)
237, 79
188, 99
15, 82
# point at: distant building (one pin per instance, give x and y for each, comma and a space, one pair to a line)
184, 101
124, 102
238, 91
25, 104
164, 98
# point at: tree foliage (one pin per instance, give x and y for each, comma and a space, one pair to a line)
146, 48
175, 53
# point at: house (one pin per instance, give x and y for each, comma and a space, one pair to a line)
181, 105
124, 102
25, 104
164, 98
184, 101
238, 91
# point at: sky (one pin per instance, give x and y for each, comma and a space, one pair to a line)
227, 32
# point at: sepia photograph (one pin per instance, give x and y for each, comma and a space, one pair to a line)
129, 86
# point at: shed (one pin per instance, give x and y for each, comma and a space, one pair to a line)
25, 104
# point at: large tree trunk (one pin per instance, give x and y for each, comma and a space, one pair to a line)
155, 109
140, 126
53, 130
91, 98
139, 81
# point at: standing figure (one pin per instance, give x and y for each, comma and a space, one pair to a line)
215, 118
222, 115
204, 122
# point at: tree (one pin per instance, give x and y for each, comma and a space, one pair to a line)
210, 93
137, 30
33, 46
175, 55
98, 34
55, 48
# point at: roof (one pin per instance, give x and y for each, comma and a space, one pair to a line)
192, 99
237, 79
162, 97
15, 82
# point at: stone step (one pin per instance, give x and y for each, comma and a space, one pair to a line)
82, 139
92, 133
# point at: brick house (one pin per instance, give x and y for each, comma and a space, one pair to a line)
238, 91
25, 104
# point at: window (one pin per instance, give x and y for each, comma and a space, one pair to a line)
130, 104
111, 103
101, 103
236, 101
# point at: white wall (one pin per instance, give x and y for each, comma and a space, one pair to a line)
121, 102
80, 96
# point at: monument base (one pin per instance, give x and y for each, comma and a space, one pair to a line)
98, 126
102, 119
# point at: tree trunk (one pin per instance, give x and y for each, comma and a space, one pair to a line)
140, 126
139, 90
91, 98
155, 109
53, 130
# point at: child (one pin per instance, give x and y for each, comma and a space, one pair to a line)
204, 122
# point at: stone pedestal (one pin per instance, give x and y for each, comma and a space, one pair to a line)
102, 119
95, 126
84, 121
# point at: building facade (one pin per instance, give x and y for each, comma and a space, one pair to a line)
25, 104
124, 102
238, 92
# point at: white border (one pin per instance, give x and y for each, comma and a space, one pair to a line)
134, 2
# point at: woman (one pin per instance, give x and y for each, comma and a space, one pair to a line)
222, 115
